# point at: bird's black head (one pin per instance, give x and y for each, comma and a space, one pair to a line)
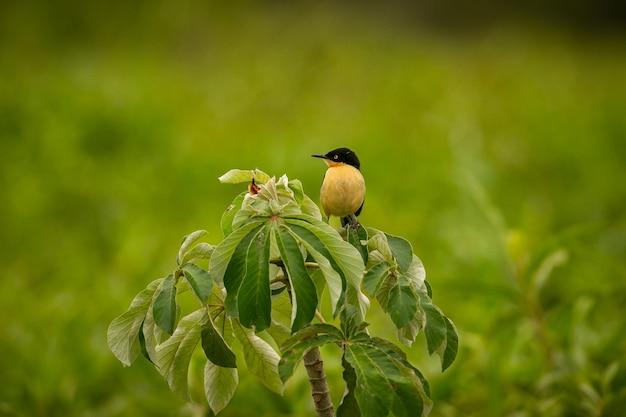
340, 155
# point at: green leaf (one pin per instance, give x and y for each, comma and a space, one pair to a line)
378, 243
236, 271
123, 332
200, 251
237, 176
142, 344
349, 406
429, 290
188, 241
226, 223
292, 357
260, 358
278, 332
384, 383
215, 347
355, 237
224, 251
174, 354
399, 355
220, 385
343, 254
309, 207
152, 334
452, 345
402, 304
164, 308
435, 326
416, 274
331, 276
351, 323
296, 187
402, 251
303, 292
199, 280
254, 298
373, 277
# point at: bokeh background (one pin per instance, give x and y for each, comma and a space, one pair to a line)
492, 136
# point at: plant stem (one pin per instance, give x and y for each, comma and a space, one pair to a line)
315, 369
319, 386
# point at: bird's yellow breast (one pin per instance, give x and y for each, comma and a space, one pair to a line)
343, 190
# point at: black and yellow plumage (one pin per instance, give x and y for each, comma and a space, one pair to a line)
343, 189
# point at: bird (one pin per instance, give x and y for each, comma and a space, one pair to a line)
343, 188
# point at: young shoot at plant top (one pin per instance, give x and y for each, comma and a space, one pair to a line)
276, 261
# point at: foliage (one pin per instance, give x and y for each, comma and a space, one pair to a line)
114, 122
274, 242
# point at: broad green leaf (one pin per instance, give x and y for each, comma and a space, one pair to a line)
254, 299
142, 344
309, 207
416, 274
384, 384
174, 354
164, 308
199, 281
237, 176
296, 187
260, 358
429, 290
331, 276
224, 251
349, 406
215, 347
200, 251
345, 256
226, 223
402, 304
378, 243
355, 237
399, 355
435, 326
318, 280
278, 332
350, 321
188, 241
220, 385
281, 309
152, 333
452, 345
402, 251
292, 357
123, 332
236, 271
373, 277
408, 333
303, 292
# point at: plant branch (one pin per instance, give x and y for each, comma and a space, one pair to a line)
319, 386
315, 368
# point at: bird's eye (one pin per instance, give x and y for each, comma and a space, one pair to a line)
336, 157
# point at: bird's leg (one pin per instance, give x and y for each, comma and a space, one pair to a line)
353, 221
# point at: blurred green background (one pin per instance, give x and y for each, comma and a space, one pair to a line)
494, 140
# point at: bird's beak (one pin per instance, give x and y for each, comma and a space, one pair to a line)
318, 155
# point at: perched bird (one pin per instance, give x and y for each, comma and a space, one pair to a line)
343, 188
